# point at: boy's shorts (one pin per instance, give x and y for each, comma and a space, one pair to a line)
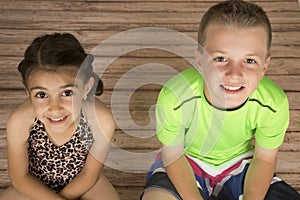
223, 183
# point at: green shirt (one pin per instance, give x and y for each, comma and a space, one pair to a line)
215, 136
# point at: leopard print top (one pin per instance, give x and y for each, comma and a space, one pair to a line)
55, 165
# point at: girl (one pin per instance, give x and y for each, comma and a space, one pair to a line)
59, 136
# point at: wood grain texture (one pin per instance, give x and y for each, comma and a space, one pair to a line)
94, 22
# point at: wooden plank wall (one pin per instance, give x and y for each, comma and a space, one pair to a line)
95, 21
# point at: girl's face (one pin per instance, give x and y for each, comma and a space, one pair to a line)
238, 59
56, 98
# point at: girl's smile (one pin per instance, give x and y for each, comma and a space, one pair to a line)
57, 121
56, 99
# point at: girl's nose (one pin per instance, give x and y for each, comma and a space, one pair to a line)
54, 104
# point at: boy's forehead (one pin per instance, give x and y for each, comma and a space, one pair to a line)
216, 27
227, 38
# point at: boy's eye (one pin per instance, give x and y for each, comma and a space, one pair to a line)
220, 59
250, 61
67, 93
41, 95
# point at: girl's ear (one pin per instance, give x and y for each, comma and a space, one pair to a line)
198, 58
88, 86
26, 91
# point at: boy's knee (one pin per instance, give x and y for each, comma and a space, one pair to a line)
281, 191
157, 194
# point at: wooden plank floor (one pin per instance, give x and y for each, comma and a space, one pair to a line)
96, 21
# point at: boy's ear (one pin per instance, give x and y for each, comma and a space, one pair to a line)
266, 65
198, 58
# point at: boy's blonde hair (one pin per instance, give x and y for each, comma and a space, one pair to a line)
235, 13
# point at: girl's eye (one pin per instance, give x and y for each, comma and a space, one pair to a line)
41, 95
250, 61
67, 93
220, 59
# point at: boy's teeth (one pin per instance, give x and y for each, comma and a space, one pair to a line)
231, 88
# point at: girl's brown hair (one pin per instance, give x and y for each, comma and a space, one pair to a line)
52, 51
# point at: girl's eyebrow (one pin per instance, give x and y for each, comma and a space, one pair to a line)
62, 87
69, 85
37, 88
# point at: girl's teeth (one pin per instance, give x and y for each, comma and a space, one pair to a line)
57, 119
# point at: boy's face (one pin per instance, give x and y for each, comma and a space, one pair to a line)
238, 59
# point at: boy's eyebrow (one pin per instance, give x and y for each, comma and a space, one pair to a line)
224, 52
254, 54
62, 87
217, 51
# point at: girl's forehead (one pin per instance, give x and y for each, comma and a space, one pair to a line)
59, 72
52, 75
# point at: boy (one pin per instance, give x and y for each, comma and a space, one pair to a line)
206, 118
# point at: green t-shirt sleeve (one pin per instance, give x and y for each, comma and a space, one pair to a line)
270, 132
169, 128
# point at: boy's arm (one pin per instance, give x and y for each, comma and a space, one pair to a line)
21, 179
181, 174
260, 173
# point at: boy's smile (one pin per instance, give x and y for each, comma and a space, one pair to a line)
238, 59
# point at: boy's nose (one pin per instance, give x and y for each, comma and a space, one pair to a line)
234, 70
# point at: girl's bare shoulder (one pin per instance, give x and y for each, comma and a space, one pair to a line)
103, 113
103, 116
21, 119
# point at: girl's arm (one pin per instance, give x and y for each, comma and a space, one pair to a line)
181, 174
260, 173
17, 133
103, 127
85, 180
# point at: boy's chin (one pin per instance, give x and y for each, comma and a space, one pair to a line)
229, 105
227, 101
234, 105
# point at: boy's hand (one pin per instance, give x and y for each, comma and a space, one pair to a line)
260, 173
180, 173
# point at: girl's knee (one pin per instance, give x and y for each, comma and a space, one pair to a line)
103, 188
11, 193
